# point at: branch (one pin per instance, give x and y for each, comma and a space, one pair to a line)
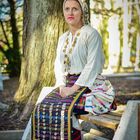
4, 32
2, 50
4, 42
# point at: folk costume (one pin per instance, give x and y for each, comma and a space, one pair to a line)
79, 61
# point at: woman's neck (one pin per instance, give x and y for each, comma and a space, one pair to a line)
73, 29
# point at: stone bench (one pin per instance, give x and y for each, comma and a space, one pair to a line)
125, 126
129, 126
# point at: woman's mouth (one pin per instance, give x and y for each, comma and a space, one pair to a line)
70, 18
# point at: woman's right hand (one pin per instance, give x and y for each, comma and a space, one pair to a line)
61, 89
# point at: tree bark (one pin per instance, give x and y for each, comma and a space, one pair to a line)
43, 24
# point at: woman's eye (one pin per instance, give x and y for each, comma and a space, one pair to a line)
67, 9
75, 9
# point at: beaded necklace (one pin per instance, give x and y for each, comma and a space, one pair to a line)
68, 51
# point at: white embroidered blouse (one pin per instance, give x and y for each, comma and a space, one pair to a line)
87, 57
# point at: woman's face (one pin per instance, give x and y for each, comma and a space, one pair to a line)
72, 13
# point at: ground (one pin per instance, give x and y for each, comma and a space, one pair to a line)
127, 88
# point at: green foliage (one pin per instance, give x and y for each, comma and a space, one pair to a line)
10, 33
1, 56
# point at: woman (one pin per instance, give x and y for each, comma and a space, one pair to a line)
78, 64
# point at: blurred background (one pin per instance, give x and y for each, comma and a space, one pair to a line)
29, 31
118, 22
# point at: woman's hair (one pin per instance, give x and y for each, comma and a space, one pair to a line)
84, 9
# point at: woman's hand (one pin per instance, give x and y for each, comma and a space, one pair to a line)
60, 89
67, 91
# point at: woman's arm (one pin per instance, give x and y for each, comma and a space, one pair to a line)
95, 60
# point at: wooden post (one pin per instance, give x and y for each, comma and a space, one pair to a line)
137, 52
126, 49
138, 38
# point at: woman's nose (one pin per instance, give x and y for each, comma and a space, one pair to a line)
71, 11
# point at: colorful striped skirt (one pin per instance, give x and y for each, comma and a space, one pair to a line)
52, 118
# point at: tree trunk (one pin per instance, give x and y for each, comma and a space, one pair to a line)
13, 55
15, 33
43, 24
